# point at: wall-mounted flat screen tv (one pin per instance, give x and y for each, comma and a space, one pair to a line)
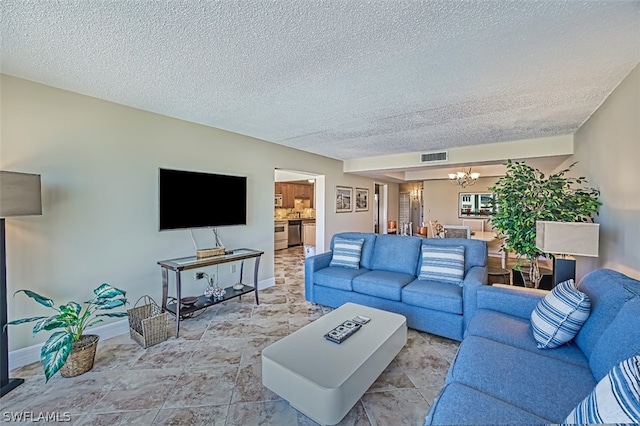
199, 200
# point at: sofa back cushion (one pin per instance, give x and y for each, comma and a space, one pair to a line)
621, 340
608, 291
396, 253
347, 252
443, 264
475, 251
367, 246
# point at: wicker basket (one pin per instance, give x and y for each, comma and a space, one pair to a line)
81, 357
148, 325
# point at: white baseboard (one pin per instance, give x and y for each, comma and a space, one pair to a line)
31, 354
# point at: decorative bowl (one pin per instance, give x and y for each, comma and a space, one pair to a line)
190, 300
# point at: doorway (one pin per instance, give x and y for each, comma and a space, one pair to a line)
299, 205
380, 208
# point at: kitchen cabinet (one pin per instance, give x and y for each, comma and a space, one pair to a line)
291, 191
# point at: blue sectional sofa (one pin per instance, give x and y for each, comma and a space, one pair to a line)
388, 279
499, 376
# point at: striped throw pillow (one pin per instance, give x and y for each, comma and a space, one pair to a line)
559, 316
615, 399
444, 264
346, 253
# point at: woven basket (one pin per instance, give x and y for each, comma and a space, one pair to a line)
81, 358
148, 325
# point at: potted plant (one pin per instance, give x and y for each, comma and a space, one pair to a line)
70, 350
525, 195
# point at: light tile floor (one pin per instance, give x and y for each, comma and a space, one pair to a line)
210, 375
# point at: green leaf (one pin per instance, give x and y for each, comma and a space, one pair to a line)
49, 324
113, 314
94, 322
22, 321
105, 291
45, 301
110, 304
55, 351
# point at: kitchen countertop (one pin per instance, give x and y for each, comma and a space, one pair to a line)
294, 218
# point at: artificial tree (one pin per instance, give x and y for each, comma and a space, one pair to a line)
525, 195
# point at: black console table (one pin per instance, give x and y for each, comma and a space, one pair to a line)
192, 262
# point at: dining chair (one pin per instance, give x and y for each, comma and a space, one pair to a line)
474, 224
456, 231
432, 229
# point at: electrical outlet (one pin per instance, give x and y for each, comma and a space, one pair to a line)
233, 269
199, 275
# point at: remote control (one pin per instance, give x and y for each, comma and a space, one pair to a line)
342, 332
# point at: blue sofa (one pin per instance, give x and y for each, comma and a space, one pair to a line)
387, 279
499, 376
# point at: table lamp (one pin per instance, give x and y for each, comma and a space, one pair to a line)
562, 239
19, 196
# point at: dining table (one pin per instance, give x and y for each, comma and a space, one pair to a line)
489, 236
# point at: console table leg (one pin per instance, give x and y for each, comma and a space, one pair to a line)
178, 303
165, 288
255, 278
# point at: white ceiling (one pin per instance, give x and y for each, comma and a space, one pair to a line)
344, 79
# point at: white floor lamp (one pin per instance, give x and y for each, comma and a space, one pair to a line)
20, 195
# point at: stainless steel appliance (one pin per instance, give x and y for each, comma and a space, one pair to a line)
281, 234
295, 233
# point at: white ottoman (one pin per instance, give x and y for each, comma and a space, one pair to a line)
324, 380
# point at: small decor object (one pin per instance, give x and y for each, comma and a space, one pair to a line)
614, 400
342, 332
343, 199
73, 320
346, 253
559, 316
362, 199
189, 300
148, 325
217, 293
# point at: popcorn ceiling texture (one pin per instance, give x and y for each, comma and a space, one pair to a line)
344, 79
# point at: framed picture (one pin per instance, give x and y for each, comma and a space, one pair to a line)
475, 204
343, 199
362, 199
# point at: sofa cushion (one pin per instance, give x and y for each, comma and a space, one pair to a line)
620, 341
396, 253
516, 331
434, 295
547, 387
615, 399
384, 284
347, 252
559, 315
338, 278
444, 264
458, 404
608, 290
367, 248
475, 251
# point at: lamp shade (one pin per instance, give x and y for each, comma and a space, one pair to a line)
19, 194
574, 238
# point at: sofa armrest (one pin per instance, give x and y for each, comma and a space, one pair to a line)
312, 264
475, 279
516, 301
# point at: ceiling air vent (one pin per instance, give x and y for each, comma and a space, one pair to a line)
434, 157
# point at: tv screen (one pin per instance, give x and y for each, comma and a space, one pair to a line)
198, 200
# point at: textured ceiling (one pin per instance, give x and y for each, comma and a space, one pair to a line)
344, 79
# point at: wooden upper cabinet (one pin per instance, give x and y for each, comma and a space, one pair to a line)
291, 191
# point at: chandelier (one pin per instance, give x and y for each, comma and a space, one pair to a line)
463, 178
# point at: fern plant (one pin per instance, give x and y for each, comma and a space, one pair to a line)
72, 319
